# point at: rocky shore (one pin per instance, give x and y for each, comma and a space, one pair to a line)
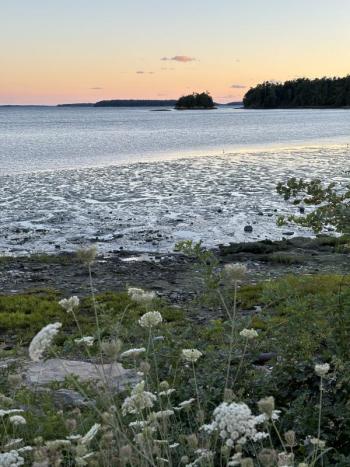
173, 276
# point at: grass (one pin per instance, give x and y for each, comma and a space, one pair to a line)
303, 319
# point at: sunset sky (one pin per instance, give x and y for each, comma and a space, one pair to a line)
54, 51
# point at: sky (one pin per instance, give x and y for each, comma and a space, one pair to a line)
62, 51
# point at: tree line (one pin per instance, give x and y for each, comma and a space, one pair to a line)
196, 100
302, 92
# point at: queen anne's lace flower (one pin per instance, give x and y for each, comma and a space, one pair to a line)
9, 412
235, 424
87, 340
69, 304
234, 272
161, 414
133, 352
90, 435
151, 319
322, 369
185, 404
140, 295
167, 392
138, 400
191, 355
11, 459
17, 420
249, 333
42, 341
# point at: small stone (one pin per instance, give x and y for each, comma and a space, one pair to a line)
69, 398
288, 233
301, 209
248, 228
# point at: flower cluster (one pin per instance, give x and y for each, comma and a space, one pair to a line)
17, 420
138, 400
87, 340
249, 333
322, 369
150, 319
11, 459
90, 435
140, 295
42, 341
69, 304
235, 423
133, 352
191, 355
234, 272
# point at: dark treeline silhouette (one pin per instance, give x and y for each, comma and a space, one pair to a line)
201, 100
303, 92
135, 103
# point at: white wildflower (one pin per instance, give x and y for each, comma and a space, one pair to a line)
69, 304
90, 435
151, 319
235, 460
174, 445
138, 400
167, 392
11, 459
285, 459
42, 341
318, 442
162, 414
234, 272
235, 424
73, 437
9, 412
56, 444
138, 424
86, 340
249, 333
191, 355
185, 404
13, 442
17, 420
322, 369
140, 295
133, 352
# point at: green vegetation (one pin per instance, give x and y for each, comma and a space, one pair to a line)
302, 92
201, 100
329, 206
264, 343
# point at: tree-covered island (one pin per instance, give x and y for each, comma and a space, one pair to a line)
195, 100
302, 92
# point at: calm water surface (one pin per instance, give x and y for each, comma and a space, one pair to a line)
42, 138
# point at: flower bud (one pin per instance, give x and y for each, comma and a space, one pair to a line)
192, 441
267, 457
247, 462
267, 405
289, 436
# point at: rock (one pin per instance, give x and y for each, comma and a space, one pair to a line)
57, 369
260, 213
301, 209
288, 233
248, 228
68, 398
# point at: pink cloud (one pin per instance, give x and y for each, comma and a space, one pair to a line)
180, 58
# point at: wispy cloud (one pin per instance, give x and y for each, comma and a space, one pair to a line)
180, 58
142, 72
238, 86
96, 88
